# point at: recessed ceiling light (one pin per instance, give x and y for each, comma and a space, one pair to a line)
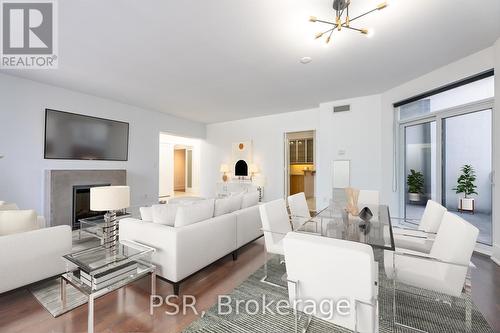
305, 60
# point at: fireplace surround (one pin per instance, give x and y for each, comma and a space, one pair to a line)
59, 186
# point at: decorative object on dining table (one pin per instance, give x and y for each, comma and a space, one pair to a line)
110, 199
352, 195
365, 215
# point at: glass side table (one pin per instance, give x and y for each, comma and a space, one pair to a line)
98, 273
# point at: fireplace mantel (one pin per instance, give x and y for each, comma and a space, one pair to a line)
59, 190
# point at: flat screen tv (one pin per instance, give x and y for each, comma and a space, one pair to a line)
73, 136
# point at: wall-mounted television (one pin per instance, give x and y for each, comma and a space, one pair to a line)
71, 136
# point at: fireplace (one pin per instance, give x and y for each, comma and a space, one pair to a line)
81, 204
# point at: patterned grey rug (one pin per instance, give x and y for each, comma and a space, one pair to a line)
415, 307
48, 294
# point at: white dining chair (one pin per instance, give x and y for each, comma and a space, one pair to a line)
367, 197
422, 238
298, 205
445, 268
322, 268
275, 225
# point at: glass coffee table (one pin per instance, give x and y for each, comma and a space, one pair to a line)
93, 226
97, 272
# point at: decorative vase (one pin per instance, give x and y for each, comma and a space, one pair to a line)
466, 204
414, 197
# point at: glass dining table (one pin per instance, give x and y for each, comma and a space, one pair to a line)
334, 222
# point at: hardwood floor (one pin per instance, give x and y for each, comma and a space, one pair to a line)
127, 310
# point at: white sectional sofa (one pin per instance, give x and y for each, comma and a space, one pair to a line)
184, 250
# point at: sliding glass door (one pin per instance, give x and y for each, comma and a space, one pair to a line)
467, 153
419, 167
447, 157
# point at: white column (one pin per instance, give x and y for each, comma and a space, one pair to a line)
496, 158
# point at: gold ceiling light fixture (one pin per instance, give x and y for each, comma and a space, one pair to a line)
343, 20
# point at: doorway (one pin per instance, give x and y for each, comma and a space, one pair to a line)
300, 167
179, 166
179, 170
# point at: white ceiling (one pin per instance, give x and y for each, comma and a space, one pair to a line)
220, 60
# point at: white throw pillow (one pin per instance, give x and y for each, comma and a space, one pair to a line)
2, 202
195, 212
235, 202
16, 221
146, 213
165, 214
222, 206
250, 199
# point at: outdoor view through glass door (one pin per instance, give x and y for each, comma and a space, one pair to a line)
445, 148
448, 158
467, 153
420, 167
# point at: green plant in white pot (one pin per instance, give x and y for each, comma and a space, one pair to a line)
415, 182
466, 185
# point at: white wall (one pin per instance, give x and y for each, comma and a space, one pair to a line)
496, 157
23, 104
333, 133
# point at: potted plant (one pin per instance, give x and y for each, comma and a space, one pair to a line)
466, 185
415, 183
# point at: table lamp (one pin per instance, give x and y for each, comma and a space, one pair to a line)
110, 199
224, 169
253, 169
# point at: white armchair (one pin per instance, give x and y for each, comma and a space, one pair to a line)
444, 269
275, 225
422, 238
321, 268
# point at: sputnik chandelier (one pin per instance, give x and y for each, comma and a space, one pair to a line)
343, 20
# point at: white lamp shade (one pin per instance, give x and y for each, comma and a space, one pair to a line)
254, 168
224, 168
108, 198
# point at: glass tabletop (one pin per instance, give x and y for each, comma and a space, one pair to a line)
97, 259
334, 222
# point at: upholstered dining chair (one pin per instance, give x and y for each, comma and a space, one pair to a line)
445, 268
275, 225
298, 205
422, 238
321, 268
367, 197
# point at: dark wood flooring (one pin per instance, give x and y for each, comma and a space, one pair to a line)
127, 310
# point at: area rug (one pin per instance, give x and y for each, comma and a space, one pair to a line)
48, 294
415, 307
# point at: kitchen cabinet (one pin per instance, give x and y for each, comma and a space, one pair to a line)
301, 151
